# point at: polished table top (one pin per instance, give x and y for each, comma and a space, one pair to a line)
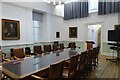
29, 65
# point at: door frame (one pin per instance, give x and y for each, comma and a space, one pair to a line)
86, 35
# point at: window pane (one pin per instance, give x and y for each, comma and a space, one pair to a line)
36, 31
93, 6
36, 24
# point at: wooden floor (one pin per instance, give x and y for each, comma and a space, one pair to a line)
106, 69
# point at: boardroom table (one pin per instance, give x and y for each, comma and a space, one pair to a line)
18, 69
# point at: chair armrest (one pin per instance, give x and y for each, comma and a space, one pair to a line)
16, 58
37, 77
6, 60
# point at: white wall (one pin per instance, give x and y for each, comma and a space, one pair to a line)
52, 23
29, 26
59, 10
63, 25
49, 27
58, 25
108, 21
41, 6
25, 17
46, 28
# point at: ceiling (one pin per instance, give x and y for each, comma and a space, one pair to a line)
57, 2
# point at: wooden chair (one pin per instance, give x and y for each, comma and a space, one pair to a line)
55, 47
11, 53
89, 60
72, 45
97, 53
72, 52
94, 57
4, 57
71, 70
47, 48
55, 71
18, 53
61, 46
38, 50
56, 42
27, 50
82, 64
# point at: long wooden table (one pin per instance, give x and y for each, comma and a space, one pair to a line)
30, 65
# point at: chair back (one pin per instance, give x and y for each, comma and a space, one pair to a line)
55, 47
56, 42
19, 52
27, 50
56, 70
98, 50
11, 52
73, 64
82, 61
89, 53
83, 57
95, 52
38, 49
72, 45
47, 48
61, 46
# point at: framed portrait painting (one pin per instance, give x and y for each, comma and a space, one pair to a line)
72, 32
10, 29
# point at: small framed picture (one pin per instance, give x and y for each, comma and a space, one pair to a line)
57, 34
10, 29
72, 32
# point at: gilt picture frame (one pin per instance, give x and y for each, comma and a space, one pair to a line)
72, 32
10, 29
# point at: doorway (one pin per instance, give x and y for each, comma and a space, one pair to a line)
94, 34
